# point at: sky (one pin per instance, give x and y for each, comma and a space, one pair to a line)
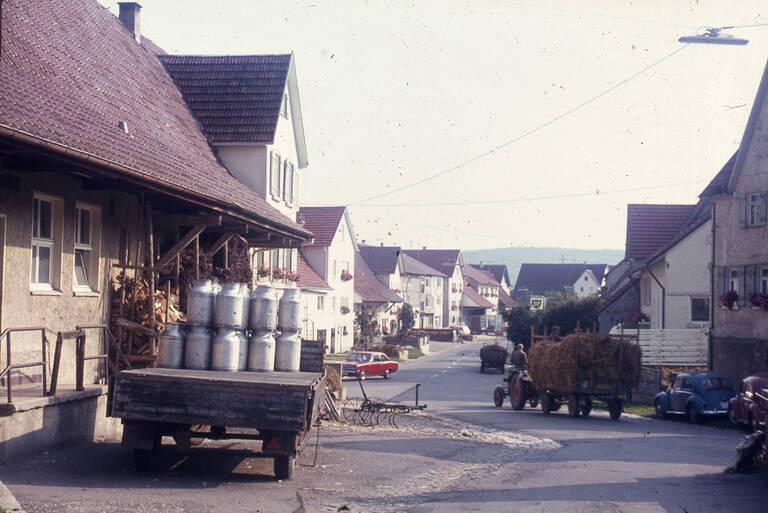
490, 123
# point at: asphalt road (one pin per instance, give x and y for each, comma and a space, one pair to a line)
464, 455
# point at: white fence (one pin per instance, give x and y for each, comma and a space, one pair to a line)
674, 347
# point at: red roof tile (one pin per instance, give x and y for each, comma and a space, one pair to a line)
368, 287
506, 300
235, 98
322, 221
651, 226
475, 296
479, 276
443, 260
308, 278
70, 71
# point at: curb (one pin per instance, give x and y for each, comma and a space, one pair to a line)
8, 501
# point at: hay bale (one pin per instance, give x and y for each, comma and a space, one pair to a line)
494, 352
582, 357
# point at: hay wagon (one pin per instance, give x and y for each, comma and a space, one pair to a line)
492, 355
582, 368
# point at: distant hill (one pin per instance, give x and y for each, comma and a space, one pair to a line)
514, 257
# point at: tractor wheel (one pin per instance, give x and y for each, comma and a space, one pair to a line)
573, 405
482, 365
498, 396
546, 403
517, 395
586, 407
614, 408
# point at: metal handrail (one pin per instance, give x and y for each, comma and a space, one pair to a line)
80, 353
9, 361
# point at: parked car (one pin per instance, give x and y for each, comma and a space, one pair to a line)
695, 394
463, 331
364, 364
751, 403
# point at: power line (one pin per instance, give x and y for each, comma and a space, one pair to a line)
596, 193
521, 136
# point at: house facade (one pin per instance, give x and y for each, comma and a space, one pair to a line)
423, 288
374, 297
450, 263
332, 256
740, 331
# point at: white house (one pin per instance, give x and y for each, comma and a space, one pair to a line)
423, 289
332, 257
375, 297
449, 262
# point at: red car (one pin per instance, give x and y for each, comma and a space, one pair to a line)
363, 364
751, 403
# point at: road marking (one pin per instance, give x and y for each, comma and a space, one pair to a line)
434, 376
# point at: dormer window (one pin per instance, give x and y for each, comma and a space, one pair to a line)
284, 107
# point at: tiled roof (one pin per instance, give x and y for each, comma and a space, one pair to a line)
413, 266
719, 184
381, 259
322, 221
498, 271
479, 276
368, 287
70, 72
649, 227
544, 278
506, 300
308, 278
235, 98
472, 298
443, 260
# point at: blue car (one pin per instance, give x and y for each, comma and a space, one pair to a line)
695, 394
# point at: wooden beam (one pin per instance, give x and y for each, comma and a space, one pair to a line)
179, 246
134, 326
187, 220
220, 243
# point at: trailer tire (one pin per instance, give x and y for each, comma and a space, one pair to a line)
573, 405
614, 408
586, 407
482, 365
546, 403
284, 466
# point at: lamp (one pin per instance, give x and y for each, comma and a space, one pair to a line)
713, 36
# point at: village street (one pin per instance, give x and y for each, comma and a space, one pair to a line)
465, 455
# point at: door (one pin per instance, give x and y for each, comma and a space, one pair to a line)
681, 394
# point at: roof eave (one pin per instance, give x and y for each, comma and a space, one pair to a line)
749, 131
292, 83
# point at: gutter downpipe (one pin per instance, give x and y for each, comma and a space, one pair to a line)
663, 296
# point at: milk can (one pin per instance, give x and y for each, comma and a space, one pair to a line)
246, 304
263, 310
289, 313
200, 303
197, 348
288, 352
225, 354
170, 350
229, 307
242, 361
261, 351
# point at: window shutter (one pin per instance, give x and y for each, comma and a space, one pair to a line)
720, 277
285, 180
272, 181
293, 185
743, 285
743, 223
762, 217
750, 272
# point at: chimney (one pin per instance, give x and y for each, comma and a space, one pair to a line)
424, 248
130, 15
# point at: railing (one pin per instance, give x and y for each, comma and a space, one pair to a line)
80, 358
9, 361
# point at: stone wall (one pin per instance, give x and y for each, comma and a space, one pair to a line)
739, 358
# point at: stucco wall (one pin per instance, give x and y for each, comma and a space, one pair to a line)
738, 358
60, 309
620, 310
247, 163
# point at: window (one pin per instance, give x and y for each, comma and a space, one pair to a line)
42, 243
274, 175
288, 195
335, 269
320, 303
341, 232
333, 303
756, 209
286, 258
87, 229
422, 286
581, 289
284, 107
733, 280
699, 309
344, 266
274, 258
645, 291
345, 302
586, 279
764, 280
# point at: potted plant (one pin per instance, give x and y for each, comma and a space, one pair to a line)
291, 277
729, 298
759, 300
263, 271
344, 309
639, 317
346, 276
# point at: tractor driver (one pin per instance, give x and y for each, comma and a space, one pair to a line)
518, 359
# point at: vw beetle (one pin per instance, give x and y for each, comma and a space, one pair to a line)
696, 395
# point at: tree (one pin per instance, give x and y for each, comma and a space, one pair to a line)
406, 318
519, 322
568, 312
367, 325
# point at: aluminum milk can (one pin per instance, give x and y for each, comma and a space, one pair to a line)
200, 303
242, 361
170, 350
229, 307
197, 348
288, 352
261, 351
246, 304
225, 355
263, 315
289, 312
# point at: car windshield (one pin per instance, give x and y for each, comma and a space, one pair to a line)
715, 382
358, 357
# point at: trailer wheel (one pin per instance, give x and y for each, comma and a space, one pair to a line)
546, 403
614, 408
284, 466
573, 405
498, 396
482, 365
533, 401
586, 407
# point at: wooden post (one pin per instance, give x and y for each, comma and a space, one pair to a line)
151, 258
79, 361
167, 301
197, 257
226, 255
56, 364
532, 335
